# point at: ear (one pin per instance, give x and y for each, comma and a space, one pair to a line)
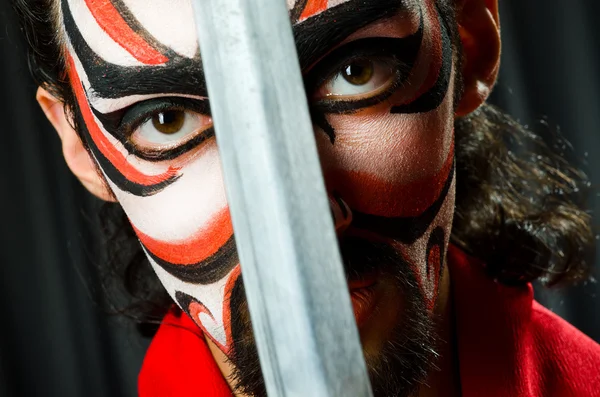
77, 157
479, 28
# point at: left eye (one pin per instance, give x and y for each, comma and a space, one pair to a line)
360, 78
169, 126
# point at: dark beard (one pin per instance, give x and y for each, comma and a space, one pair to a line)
406, 358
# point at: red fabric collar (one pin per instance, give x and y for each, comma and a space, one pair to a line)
178, 363
508, 346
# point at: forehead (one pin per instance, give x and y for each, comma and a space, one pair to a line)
169, 22
111, 39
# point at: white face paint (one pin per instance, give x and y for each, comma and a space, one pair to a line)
135, 69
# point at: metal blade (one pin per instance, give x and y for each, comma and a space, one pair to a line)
298, 297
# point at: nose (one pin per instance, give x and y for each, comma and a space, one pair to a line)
341, 213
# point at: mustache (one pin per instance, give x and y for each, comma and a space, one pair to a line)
361, 256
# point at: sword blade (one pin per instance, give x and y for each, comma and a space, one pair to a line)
295, 285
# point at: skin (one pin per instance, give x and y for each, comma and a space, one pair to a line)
134, 66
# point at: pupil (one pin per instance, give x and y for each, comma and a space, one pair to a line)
167, 117
169, 122
359, 72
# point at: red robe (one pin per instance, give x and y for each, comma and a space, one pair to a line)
508, 346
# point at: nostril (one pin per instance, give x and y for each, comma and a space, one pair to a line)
331, 207
340, 211
341, 204
344, 207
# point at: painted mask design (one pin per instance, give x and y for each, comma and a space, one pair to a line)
378, 77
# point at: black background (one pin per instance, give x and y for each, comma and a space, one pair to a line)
55, 340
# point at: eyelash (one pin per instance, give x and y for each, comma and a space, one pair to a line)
142, 112
386, 50
348, 106
135, 116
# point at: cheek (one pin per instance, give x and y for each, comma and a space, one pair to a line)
186, 228
391, 165
187, 234
190, 204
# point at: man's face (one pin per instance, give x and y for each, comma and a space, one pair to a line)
379, 81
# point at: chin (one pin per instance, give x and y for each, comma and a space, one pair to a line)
398, 335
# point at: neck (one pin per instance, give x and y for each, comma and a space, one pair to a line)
444, 380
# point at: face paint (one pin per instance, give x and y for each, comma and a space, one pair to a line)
378, 77
407, 198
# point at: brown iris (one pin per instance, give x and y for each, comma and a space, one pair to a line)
169, 122
359, 72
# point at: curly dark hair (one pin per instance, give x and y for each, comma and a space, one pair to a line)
519, 203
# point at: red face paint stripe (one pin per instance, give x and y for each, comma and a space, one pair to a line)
435, 263
195, 308
312, 8
104, 145
198, 247
435, 67
428, 283
433, 260
387, 199
227, 308
112, 22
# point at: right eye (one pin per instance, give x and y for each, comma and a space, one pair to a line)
170, 127
360, 74
358, 79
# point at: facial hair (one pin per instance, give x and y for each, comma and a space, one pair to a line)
406, 358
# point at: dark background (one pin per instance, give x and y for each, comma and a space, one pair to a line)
56, 340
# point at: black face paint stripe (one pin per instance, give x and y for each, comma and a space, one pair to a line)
186, 300
436, 239
405, 229
115, 175
402, 50
296, 11
320, 120
208, 271
111, 122
318, 34
178, 76
434, 97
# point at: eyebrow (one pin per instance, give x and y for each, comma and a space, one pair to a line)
314, 37
317, 35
